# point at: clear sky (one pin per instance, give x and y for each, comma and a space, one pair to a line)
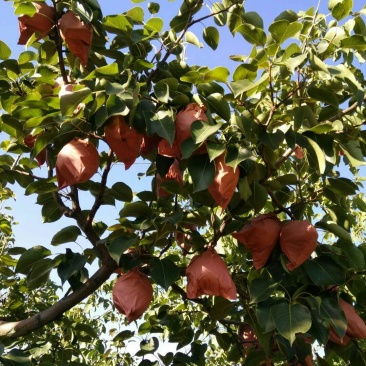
30, 231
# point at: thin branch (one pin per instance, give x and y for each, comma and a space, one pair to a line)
27, 326
271, 85
169, 244
284, 157
290, 94
58, 43
99, 199
344, 112
183, 294
279, 205
6, 169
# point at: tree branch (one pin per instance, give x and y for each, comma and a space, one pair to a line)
279, 205
58, 43
284, 157
99, 199
344, 112
27, 326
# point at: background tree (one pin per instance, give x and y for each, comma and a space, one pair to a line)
254, 173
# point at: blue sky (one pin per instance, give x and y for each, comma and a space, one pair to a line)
30, 231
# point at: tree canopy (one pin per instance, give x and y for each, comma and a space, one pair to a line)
245, 241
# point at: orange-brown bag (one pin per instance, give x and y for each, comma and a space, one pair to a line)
207, 274
132, 294
77, 35
76, 163
260, 236
124, 140
41, 22
184, 119
298, 239
223, 186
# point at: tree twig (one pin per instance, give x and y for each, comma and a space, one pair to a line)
58, 43
27, 326
99, 199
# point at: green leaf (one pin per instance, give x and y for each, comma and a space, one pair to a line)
214, 149
221, 308
148, 346
317, 64
193, 39
335, 229
183, 336
25, 9
244, 189
71, 264
16, 357
323, 271
136, 14
212, 37
219, 105
82, 10
317, 155
356, 42
123, 336
236, 154
120, 244
153, 8
253, 18
352, 150
219, 74
154, 24
354, 256
283, 29
5, 51
291, 319
26, 57
162, 123
261, 289
258, 197
252, 34
360, 203
242, 86
118, 24
162, 92
70, 100
164, 272
342, 186
30, 257
40, 187
51, 212
201, 130
293, 62
202, 172
324, 95
136, 209
107, 70
332, 313
264, 315
66, 235
40, 273
122, 192
340, 8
